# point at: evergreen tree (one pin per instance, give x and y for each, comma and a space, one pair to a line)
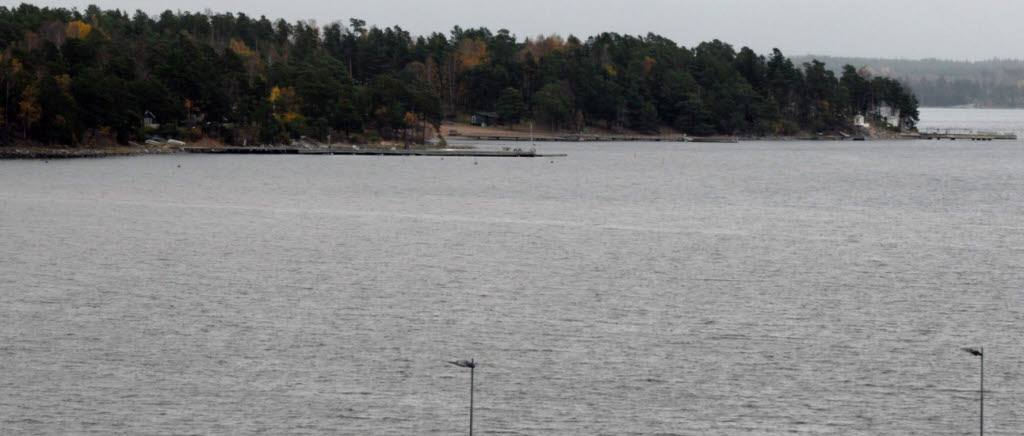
510, 105
551, 105
69, 76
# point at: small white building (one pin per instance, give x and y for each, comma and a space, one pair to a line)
893, 120
858, 121
890, 114
149, 120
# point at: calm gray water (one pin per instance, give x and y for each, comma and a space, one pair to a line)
636, 288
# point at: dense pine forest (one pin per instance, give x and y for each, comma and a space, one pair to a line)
71, 77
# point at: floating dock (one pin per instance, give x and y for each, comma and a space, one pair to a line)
455, 152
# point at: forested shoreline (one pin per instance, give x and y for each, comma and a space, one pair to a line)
72, 77
993, 83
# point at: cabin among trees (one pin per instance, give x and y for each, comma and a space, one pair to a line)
149, 120
485, 119
71, 76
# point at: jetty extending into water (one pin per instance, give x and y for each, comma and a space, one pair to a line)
444, 152
971, 136
597, 138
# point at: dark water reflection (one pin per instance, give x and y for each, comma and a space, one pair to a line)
752, 288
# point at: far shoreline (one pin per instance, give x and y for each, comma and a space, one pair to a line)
37, 152
452, 134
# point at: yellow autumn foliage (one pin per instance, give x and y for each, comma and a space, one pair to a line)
472, 52
542, 46
411, 118
250, 58
78, 29
239, 47
9, 66
284, 100
290, 116
31, 41
28, 108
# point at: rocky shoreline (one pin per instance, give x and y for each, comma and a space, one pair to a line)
37, 152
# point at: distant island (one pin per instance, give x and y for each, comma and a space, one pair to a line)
99, 78
994, 83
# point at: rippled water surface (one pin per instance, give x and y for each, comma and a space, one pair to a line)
630, 288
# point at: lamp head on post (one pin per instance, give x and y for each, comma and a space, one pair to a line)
980, 352
973, 351
468, 364
463, 363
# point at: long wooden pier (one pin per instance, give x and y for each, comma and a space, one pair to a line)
971, 136
595, 138
454, 152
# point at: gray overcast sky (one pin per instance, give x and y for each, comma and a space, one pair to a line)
914, 29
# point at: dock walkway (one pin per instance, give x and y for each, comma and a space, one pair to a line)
595, 138
972, 136
373, 151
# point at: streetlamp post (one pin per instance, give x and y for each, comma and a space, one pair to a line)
471, 365
980, 352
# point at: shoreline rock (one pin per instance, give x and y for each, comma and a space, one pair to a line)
16, 152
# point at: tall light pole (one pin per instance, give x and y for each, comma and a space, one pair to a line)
980, 352
471, 365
